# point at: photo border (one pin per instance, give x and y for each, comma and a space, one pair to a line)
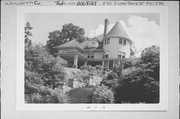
163, 12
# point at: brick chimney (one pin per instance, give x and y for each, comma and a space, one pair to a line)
106, 23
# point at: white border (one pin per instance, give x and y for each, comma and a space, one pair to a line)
162, 106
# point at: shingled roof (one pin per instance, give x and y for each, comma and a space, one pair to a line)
72, 43
117, 31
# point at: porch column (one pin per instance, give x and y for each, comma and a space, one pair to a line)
76, 61
103, 64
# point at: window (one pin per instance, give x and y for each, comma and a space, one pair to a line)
108, 41
121, 54
124, 43
120, 41
106, 55
90, 56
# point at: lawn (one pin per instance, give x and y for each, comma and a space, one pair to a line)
81, 95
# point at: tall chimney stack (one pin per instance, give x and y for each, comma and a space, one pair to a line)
106, 23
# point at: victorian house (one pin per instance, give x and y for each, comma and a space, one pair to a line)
107, 49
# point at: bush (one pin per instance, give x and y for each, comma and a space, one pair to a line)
47, 95
43, 76
137, 87
103, 94
140, 83
131, 62
150, 54
49, 68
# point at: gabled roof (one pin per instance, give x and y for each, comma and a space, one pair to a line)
117, 31
72, 43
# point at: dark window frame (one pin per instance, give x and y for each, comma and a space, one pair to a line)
124, 41
90, 56
120, 41
106, 54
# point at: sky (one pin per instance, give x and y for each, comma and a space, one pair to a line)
142, 28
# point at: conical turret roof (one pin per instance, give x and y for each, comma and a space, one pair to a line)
117, 31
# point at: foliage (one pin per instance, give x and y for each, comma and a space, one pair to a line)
138, 86
70, 31
67, 33
43, 74
47, 95
150, 54
140, 83
118, 69
49, 68
103, 94
28, 34
96, 70
131, 62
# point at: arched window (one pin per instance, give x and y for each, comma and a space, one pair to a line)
90, 55
106, 54
121, 54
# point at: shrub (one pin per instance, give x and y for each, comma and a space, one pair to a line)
137, 87
140, 84
150, 54
49, 68
43, 76
47, 95
103, 94
131, 62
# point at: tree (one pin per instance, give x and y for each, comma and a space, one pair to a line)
150, 54
28, 34
38, 60
43, 76
55, 39
68, 33
140, 83
138, 87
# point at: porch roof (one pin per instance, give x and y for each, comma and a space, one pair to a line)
70, 56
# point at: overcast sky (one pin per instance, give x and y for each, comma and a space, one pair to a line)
143, 28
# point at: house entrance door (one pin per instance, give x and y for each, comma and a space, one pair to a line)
110, 63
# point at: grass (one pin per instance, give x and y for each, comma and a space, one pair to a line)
81, 95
